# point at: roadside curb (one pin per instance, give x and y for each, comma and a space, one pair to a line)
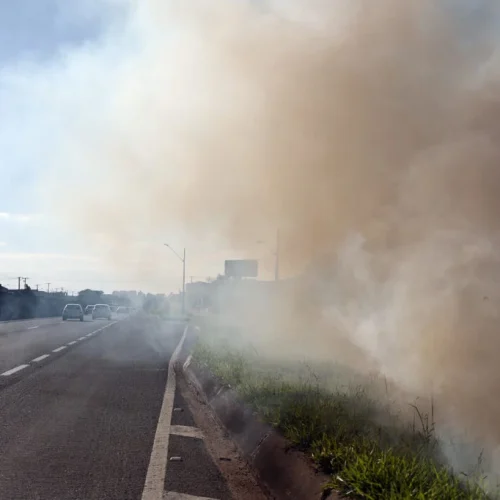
284, 472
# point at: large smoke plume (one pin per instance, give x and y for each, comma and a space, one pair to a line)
368, 132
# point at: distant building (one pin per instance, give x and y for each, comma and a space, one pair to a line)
199, 294
233, 294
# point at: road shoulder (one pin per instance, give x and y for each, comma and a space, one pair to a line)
234, 469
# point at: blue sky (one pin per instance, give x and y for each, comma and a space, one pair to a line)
36, 35
39, 28
61, 64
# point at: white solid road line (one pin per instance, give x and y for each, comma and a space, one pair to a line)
72, 343
14, 370
81, 338
59, 349
172, 495
186, 431
33, 327
40, 358
155, 477
187, 362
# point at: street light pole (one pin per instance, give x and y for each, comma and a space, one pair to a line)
184, 282
277, 262
183, 260
276, 254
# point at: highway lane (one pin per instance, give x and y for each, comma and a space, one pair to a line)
23, 341
81, 423
25, 324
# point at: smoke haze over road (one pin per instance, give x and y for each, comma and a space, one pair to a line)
367, 134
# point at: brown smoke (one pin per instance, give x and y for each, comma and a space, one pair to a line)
369, 135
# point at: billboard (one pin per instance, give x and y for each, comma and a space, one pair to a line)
241, 268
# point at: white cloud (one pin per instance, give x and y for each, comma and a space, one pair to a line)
32, 257
20, 218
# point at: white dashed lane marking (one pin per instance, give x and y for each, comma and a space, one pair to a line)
14, 370
40, 358
172, 495
59, 349
186, 431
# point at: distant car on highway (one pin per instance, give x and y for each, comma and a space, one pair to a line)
122, 310
101, 311
72, 311
89, 309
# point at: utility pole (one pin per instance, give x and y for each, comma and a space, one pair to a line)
183, 260
184, 282
276, 254
37, 285
48, 287
19, 278
277, 262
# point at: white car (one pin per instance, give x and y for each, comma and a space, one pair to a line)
89, 309
101, 311
122, 311
72, 311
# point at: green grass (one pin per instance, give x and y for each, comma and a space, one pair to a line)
368, 451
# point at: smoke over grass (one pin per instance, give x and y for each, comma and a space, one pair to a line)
367, 132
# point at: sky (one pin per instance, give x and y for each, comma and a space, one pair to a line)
45, 44
36, 33
60, 61
100, 99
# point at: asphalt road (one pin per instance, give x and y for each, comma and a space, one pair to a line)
21, 341
79, 410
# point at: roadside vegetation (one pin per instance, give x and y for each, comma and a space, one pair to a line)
365, 447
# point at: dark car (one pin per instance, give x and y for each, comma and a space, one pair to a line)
101, 311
